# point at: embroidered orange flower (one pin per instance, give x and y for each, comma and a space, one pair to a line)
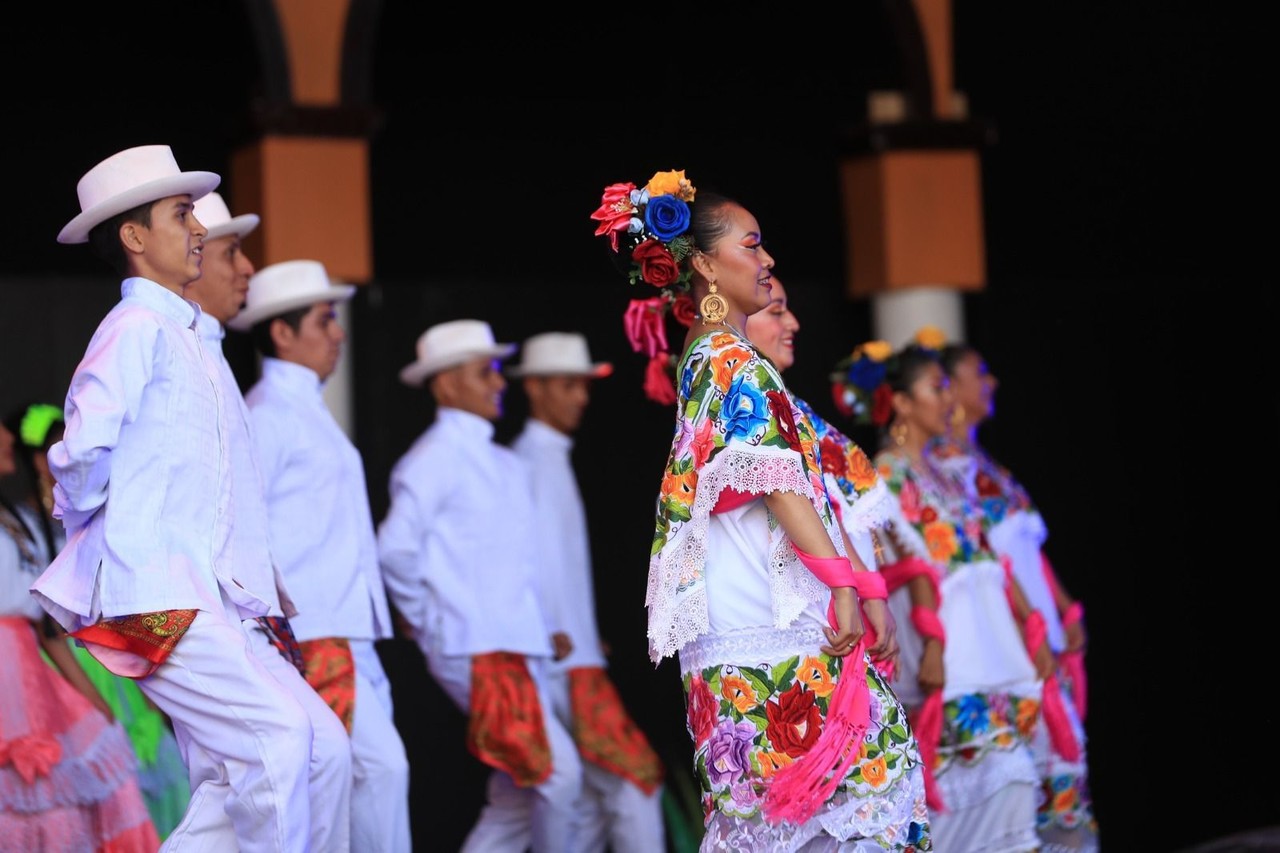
739, 691
680, 487
940, 539
771, 762
875, 771
1028, 711
725, 364
813, 673
861, 472
1064, 801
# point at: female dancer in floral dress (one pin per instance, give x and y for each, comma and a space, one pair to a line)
969, 684
1017, 532
800, 744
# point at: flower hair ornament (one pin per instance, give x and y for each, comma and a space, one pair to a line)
930, 338
648, 228
858, 388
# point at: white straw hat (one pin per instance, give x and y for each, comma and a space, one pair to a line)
282, 287
558, 353
125, 180
213, 214
449, 344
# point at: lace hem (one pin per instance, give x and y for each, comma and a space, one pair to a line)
677, 597
964, 786
887, 818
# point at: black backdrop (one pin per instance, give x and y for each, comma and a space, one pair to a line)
1131, 350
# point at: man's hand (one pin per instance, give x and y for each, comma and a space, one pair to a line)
562, 645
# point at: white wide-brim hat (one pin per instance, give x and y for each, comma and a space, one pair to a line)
282, 287
558, 354
449, 344
213, 214
125, 180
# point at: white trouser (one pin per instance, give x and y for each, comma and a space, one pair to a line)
330, 777
516, 818
379, 765
613, 814
245, 738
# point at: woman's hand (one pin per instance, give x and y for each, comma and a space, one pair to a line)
932, 675
1044, 661
886, 630
840, 643
1075, 636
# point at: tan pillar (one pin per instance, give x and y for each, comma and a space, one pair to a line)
309, 183
912, 192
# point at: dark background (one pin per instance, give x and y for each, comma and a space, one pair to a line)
1133, 349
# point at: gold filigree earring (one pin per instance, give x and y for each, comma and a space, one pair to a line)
898, 432
713, 308
957, 416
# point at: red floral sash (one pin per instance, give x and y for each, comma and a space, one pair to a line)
134, 646
506, 729
605, 733
331, 671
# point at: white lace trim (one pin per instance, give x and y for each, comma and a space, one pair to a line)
677, 596
749, 647
871, 510
886, 817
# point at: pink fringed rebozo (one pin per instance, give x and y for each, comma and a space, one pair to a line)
799, 789
927, 721
1052, 707
1072, 661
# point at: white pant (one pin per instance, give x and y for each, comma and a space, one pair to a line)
268, 771
516, 818
613, 813
379, 766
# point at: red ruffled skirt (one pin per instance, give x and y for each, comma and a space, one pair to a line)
68, 777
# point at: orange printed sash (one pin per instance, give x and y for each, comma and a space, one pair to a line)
506, 729
331, 671
134, 646
605, 733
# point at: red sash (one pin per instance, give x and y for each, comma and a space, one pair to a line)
331, 670
134, 646
606, 735
506, 729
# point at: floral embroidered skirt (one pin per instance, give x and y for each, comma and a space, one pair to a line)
756, 701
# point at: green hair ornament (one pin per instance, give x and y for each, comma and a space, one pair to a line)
36, 422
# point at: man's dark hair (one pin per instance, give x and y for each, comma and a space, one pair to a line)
104, 238
261, 331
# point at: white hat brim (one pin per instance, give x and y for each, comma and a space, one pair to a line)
597, 370
195, 184
249, 317
241, 226
419, 371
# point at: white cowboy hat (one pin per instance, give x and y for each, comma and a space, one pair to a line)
559, 354
282, 287
125, 180
213, 214
449, 344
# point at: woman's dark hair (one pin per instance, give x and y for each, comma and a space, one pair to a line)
904, 367
709, 220
260, 334
953, 353
104, 238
